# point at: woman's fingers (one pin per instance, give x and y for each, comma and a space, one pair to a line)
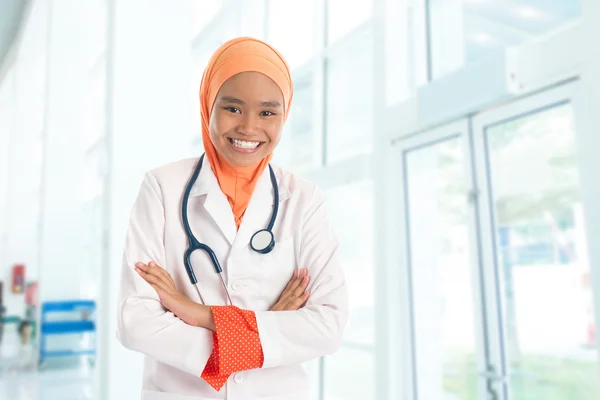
162, 272
297, 294
155, 270
296, 303
301, 288
152, 275
301, 301
147, 275
290, 282
151, 282
286, 291
294, 292
294, 284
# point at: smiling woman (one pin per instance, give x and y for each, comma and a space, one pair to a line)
288, 299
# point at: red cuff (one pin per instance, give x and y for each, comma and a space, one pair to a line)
236, 345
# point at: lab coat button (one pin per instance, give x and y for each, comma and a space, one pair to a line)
237, 285
238, 378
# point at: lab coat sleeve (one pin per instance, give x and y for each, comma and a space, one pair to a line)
143, 324
291, 337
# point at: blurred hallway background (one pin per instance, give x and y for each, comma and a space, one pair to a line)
457, 142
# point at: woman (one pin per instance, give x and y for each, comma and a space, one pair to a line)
244, 333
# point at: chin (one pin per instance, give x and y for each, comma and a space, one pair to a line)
238, 160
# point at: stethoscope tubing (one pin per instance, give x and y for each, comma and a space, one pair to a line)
194, 244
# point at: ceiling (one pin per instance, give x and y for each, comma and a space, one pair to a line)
491, 25
532, 17
11, 13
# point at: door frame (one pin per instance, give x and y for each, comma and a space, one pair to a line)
493, 279
401, 147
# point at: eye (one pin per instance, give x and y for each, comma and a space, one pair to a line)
232, 110
266, 113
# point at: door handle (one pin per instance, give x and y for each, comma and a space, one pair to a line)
492, 376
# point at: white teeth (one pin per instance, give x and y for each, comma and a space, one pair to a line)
244, 144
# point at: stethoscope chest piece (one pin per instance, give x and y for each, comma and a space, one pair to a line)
262, 241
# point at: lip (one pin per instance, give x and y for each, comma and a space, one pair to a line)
241, 150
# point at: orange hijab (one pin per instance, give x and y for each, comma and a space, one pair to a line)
233, 57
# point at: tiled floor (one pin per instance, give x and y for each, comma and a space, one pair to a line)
58, 379
58, 382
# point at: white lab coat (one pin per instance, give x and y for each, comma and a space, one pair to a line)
176, 353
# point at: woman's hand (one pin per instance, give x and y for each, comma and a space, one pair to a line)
295, 294
185, 309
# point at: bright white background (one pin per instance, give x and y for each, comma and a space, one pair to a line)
99, 91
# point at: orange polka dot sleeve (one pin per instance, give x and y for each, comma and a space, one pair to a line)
236, 345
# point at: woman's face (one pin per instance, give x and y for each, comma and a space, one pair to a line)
247, 118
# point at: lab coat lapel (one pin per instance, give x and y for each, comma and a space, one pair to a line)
215, 203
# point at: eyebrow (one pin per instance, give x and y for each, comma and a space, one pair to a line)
234, 100
273, 104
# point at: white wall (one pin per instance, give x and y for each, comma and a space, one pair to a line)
60, 245
6, 124
22, 124
151, 122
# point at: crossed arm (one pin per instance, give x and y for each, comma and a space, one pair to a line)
293, 297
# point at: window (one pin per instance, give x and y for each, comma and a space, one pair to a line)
95, 105
343, 16
94, 173
441, 271
351, 207
404, 49
299, 148
350, 373
204, 12
252, 19
96, 25
293, 37
92, 215
349, 113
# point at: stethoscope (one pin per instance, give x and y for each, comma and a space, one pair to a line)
262, 241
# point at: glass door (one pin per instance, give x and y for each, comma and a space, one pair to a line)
534, 248
446, 305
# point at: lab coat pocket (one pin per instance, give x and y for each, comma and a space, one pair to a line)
277, 268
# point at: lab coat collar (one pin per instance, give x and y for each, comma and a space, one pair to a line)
261, 203
206, 182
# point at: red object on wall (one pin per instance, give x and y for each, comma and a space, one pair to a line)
18, 278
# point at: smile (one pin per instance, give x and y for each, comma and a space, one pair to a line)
244, 145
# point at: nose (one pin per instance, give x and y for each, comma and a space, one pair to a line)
249, 125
